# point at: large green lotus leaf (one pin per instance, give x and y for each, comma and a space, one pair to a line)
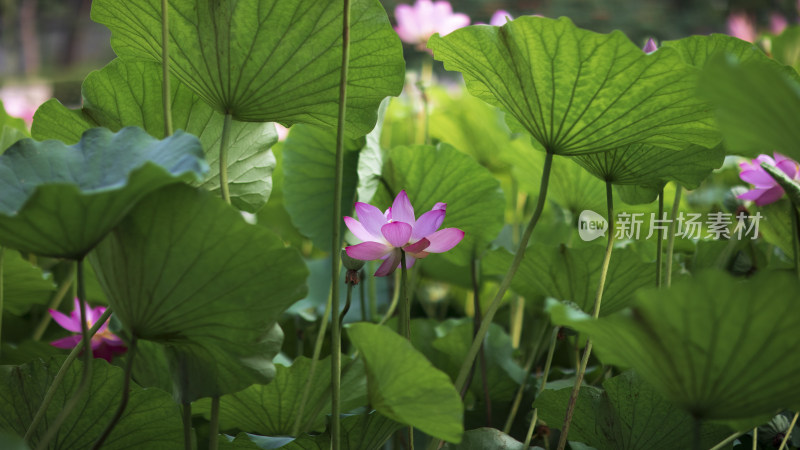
12, 129
125, 93
720, 348
572, 274
404, 386
309, 170
357, 432
503, 374
576, 91
757, 106
628, 415
271, 409
62, 200
488, 438
475, 203
646, 165
786, 46
24, 284
151, 420
268, 61
186, 271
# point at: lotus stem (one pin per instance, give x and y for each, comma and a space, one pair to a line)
126, 390
671, 241
573, 399
187, 425
727, 441
165, 90
223, 158
789, 431
2, 264
213, 425
659, 237
63, 288
548, 363
521, 390
404, 322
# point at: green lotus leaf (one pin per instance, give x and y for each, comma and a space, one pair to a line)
12, 129
649, 166
186, 271
24, 284
718, 347
268, 61
357, 431
575, 91
125, 93
151, 420
62, 200
271, 409
404, 386
698, 50
627, 415
486, 438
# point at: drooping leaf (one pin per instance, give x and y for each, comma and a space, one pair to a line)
572, 274
627, 415
429, 175
151, 419
309, 169
485, 438
268, 61
576, 91
757, 106
646, 165
24, 284
125, 93
12, 129
62, 200
704, 343
271, 409
212, 296
360, 431
404, 386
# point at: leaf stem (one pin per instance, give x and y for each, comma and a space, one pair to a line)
521, 389
789, 431
671, 240
362, 297
404, 322
165, 89
659, 237
223, 158
548, 363
187, 425
727, 441
506, 283
795, 237
337, 225
213, 425
126, 390
87, 366
573, 399
2, 264
394, 302
425, 80
62, 371
755, 439
476, 324
63, 288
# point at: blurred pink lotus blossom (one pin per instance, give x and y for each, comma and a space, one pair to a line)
500, 17
415, 24
105, 344
282, 131
777, 23
650, 46
23, 100
740, 25
767, 190
385, 233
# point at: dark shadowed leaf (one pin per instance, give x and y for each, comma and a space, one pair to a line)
24, 284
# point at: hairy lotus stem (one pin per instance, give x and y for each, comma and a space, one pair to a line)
213, 425
223, 159
548, 363
126, 391
63, 288
659, 237
671, 242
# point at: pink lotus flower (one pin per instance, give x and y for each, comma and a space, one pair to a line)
650, 46
23, 100
767, 190
104, 344
500, 17
415, 24
385, 233
777, 23
740, 25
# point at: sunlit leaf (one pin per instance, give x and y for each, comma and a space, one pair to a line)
151, 419
62, 200
268, 61
718, 347
404, 386
627, 415
186, 271
12, 129
698, 50
576, 91
125, 93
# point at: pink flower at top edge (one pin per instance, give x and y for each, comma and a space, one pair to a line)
415, 24
767, 190
105, 344
23, 100
777, 23
385, 233
740, 25
500, 17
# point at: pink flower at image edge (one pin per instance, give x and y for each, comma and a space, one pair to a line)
105, 344
415, 24
385, 233
767, 190
500, 17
